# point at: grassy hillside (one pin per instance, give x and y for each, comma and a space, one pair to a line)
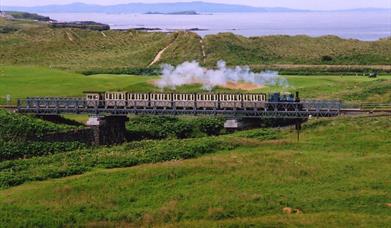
337, 175
21, 82
238, 50
76, 49
32, 43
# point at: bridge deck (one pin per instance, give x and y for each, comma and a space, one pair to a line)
56, 106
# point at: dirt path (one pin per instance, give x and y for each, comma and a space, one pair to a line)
161, 52
69, 36
203, 50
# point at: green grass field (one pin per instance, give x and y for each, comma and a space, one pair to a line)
22, 82
337, 175
179, 175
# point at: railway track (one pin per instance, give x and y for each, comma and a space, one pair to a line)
363, 109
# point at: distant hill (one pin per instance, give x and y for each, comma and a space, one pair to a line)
176, 13
26, 16
144, 8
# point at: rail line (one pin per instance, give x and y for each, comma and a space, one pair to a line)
298, 110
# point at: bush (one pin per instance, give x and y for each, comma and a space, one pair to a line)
16, 127
327, 58
12, 150
155, 127
212, 126
129, 70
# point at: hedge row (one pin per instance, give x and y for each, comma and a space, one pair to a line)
16, 150
15, 127
153, 127
65, 164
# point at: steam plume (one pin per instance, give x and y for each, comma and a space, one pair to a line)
191, 73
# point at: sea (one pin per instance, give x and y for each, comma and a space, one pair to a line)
367, 26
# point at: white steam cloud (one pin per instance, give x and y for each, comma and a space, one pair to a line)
191, 73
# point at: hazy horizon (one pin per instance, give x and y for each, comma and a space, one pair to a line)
298, 4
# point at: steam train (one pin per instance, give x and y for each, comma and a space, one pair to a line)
187, 100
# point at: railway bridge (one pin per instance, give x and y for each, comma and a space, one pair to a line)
109, 121
295, 110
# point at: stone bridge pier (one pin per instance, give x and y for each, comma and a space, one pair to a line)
108, 130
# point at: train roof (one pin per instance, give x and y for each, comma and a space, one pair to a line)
208, 93
85, 92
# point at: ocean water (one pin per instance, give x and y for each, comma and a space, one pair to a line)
355, 25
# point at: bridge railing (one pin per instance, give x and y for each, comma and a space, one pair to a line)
47, 105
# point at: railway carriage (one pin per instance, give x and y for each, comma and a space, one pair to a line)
115, 99
184, 100
229, 100
207, 100
138, 100
254, 100
161, 100
94, 99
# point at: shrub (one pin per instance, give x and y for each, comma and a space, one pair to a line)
12, 150
154, 127
16, 127
212, 126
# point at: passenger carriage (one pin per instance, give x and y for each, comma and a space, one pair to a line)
207, 100
94, 99
138, 100
115, 99
161, 100
254, 100
229, 100
184, 100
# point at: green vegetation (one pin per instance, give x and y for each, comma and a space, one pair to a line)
132, 51
151, 127
21, 82
90, 25
337, 175
78, 50
15, 150
187, 172
57, 165
17, 134
238, 50
20, 128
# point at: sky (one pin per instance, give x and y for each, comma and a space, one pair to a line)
296, 4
